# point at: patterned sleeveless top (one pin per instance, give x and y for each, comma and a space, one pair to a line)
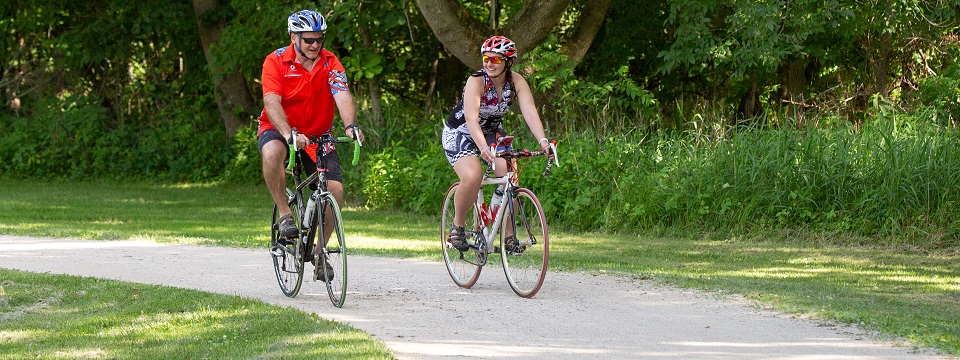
491, 108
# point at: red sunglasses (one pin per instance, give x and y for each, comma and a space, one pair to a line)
496, 60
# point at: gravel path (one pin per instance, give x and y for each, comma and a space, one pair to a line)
415, 308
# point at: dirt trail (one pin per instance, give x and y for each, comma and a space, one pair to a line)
420, 314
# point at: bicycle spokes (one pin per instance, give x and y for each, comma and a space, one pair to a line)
528, 237
463, 266
526, 268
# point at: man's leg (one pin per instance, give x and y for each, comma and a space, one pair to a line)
273, 154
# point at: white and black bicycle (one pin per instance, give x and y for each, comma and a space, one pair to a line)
515, 221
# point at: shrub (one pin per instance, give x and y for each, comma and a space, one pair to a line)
942, 93
74, 137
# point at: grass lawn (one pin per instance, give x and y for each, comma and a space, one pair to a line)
58, 316
902, 293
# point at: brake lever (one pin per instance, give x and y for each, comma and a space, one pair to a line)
553, 148
493, 150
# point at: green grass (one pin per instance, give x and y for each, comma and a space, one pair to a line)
58, 316
900, 292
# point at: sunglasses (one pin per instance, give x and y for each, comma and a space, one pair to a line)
496, 60
310, 41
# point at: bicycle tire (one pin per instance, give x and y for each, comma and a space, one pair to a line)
525, 267
334, 253
288, 260
463, 266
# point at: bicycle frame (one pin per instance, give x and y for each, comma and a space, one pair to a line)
320, 239
320, 177
487, 230
516, 221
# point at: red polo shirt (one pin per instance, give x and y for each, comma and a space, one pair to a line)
306, 96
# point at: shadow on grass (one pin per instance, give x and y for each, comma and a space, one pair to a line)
53, 316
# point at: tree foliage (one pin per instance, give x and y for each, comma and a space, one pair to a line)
138, 73
804, 49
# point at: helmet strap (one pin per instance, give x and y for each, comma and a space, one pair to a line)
297, 46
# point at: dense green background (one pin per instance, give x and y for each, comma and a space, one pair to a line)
837, 116
802, 153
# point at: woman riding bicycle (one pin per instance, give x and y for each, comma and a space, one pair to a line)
475, 123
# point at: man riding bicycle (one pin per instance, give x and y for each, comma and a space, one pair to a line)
302, 83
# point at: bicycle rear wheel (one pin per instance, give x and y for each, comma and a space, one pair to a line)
525, 263
464, 266
288, 259
334, 253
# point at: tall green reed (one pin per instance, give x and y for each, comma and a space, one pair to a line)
896, 178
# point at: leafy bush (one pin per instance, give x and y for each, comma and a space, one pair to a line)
572, 104
388, 182
74, 137
408, 178
244, 165
943, 94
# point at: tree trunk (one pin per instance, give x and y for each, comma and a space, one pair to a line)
879, 49
461, 34
374, 84
431, 87
750, 102
494, 15
590, 21
794, 81
882, 63
534, 21
230, 88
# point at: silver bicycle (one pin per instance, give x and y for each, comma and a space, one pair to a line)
517, 222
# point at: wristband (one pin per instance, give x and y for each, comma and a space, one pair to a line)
545, 139
351, 126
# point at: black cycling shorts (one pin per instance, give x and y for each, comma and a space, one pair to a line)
331, 161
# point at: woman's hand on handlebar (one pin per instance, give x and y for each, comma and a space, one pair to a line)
487, 155
549, 145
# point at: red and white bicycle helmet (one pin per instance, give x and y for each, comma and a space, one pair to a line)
500, 45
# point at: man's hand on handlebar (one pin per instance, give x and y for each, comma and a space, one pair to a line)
302, 141
354, 132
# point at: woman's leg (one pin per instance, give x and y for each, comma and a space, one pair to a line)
470, 172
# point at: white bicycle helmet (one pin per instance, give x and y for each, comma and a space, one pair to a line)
306, 20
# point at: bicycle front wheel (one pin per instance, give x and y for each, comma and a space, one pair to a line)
332, 267
464, 266
288, 259
525, 257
